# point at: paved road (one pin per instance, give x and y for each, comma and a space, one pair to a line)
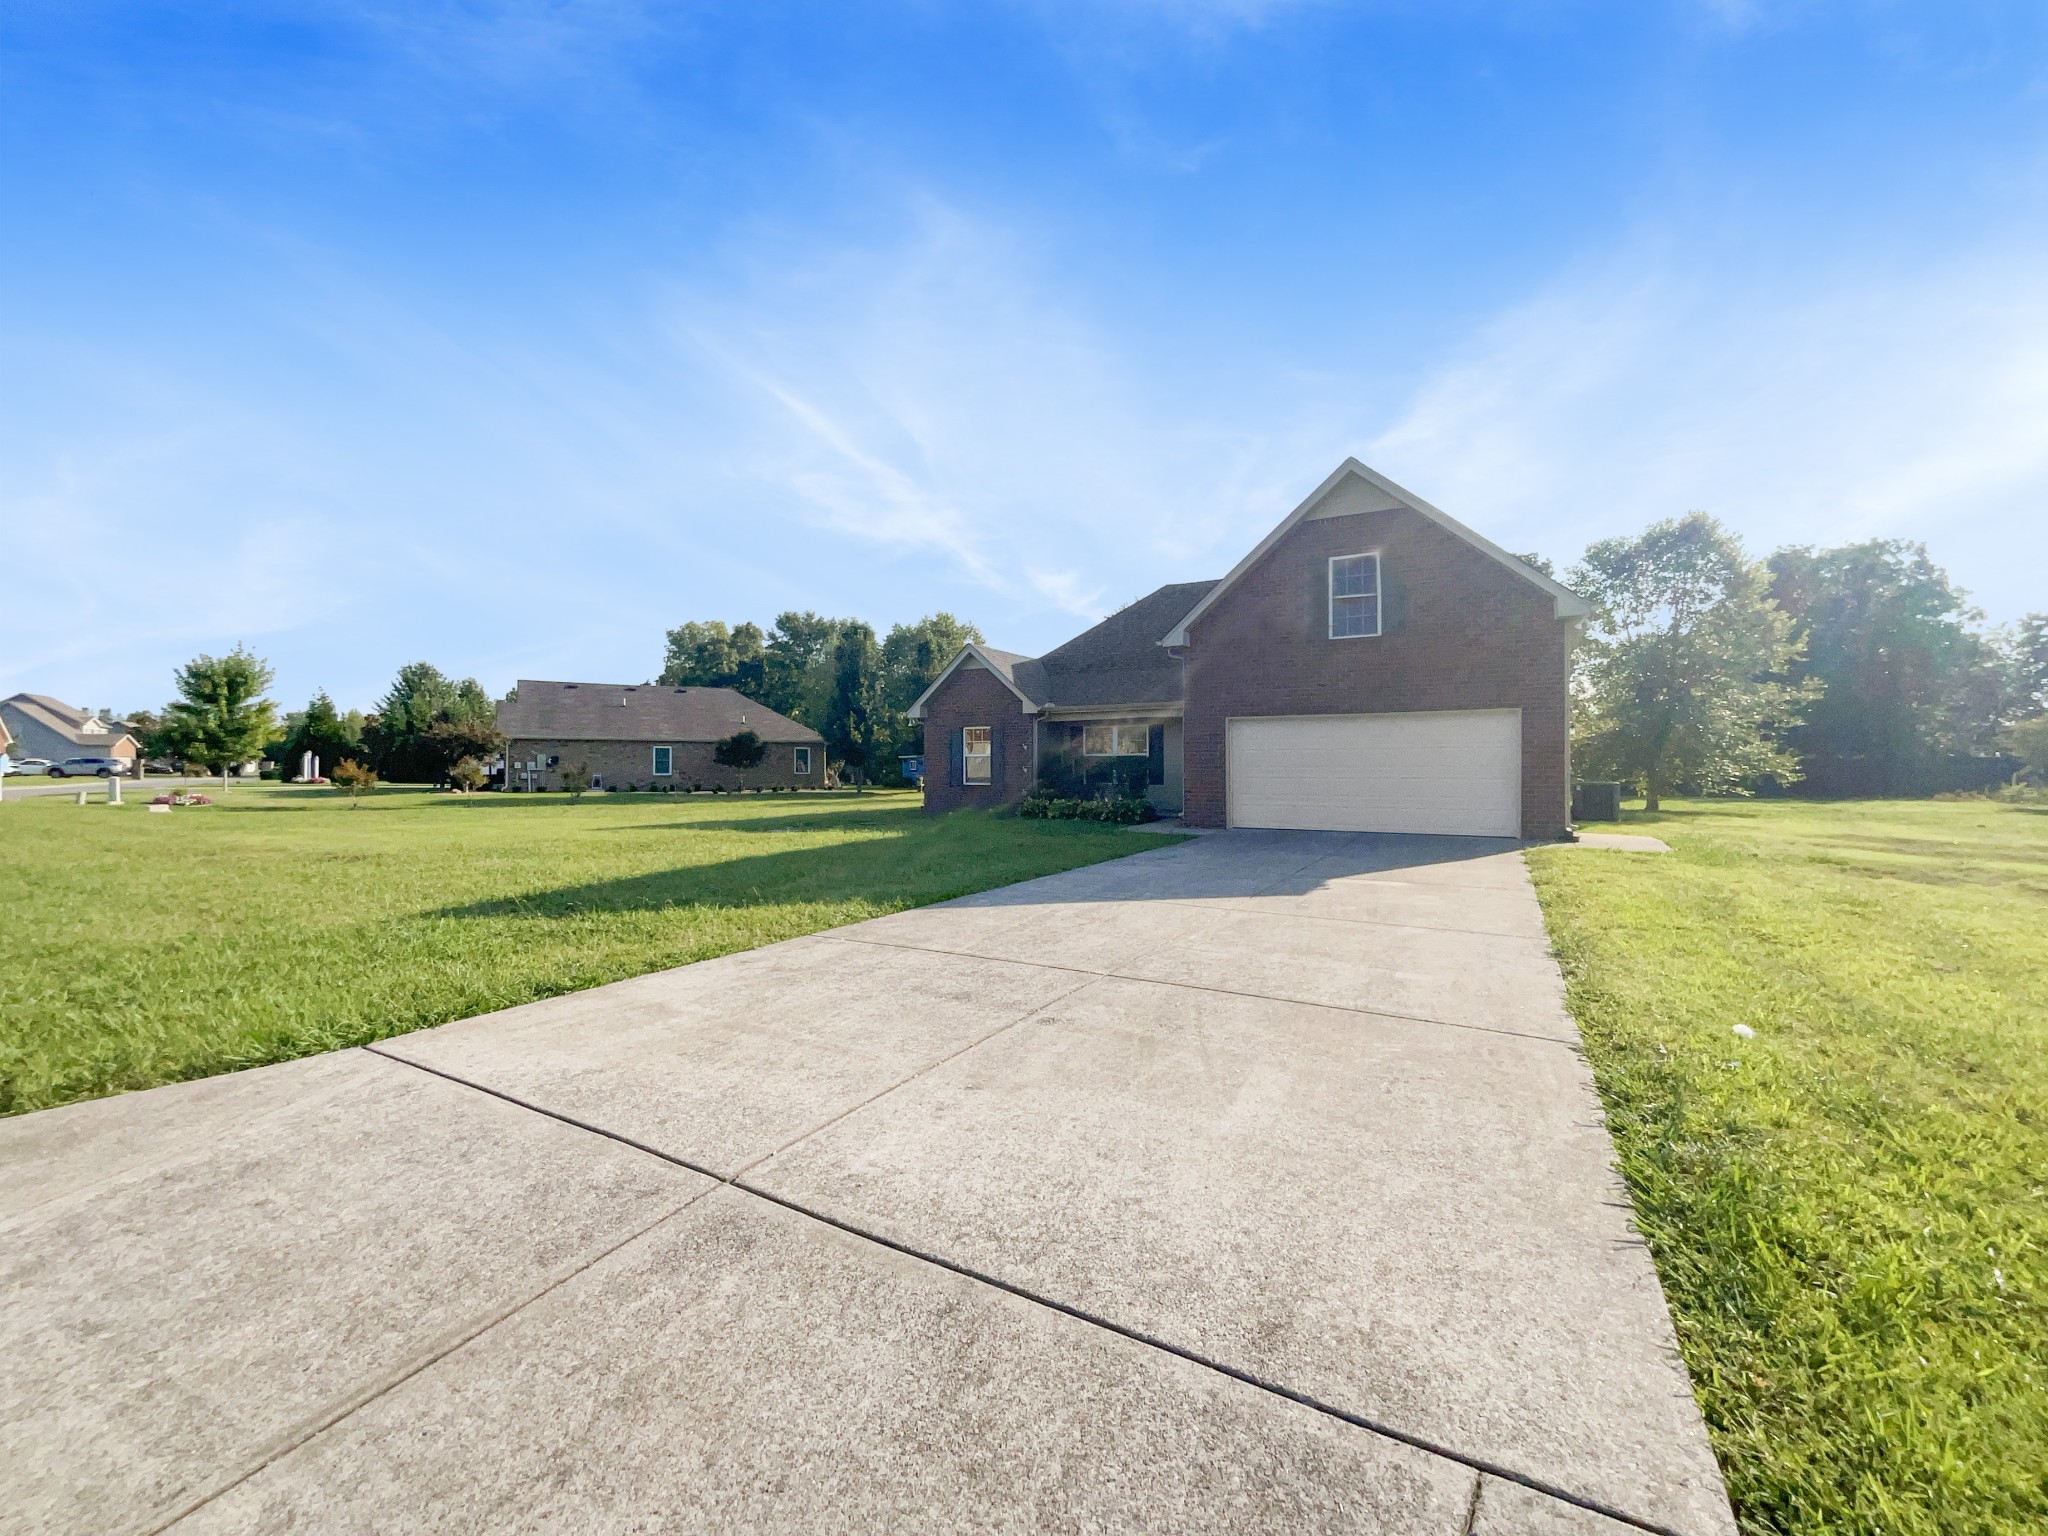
1250, 1184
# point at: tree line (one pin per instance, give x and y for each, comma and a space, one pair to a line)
424, 729
1856, 671
832, 675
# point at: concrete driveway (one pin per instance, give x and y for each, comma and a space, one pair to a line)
1254, 1183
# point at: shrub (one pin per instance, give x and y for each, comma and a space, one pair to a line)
576, 780
466, 776
355, 778
1119, 810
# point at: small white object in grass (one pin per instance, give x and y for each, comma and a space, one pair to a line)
164, 808
1745, 1031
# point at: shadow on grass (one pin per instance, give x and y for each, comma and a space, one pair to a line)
936, 861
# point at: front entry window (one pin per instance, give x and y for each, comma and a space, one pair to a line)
1115, 740
977, 753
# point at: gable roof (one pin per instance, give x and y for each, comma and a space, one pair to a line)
1567, 604
74, 725
640, 712
1119, 660
1115, 662
1020, 674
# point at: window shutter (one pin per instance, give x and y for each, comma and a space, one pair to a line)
956, 747
995, 757
1155, 755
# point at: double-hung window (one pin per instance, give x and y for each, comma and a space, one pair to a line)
1115, 740
664, 762
977, 753
803, 760
1354, 596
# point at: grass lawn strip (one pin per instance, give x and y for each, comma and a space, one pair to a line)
1849, 1209
139, 948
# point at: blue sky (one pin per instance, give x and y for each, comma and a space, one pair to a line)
507, 336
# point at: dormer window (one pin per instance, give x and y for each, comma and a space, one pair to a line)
1354, 597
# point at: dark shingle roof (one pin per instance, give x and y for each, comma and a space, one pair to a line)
639, 712
1119, 661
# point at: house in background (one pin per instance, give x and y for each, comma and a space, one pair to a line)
649, 736
41, 726
1372, 666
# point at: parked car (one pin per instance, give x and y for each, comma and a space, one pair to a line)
29, 765
89, 767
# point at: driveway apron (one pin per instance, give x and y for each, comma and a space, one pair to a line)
1255, 1182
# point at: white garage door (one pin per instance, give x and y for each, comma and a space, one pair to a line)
1458, 772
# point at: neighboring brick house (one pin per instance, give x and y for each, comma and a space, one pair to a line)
1373, 665
41, 726
647, 735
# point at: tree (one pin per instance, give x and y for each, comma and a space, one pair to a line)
708, 655
2028, 741
741, 751
576, 780
915, 654
1903, 680
466, 776
2024, 650
421, 697
857, 724
1679, 683
912, 658
353, 777
448, 742
220, 717
322, 730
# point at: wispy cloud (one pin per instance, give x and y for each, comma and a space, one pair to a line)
936, 393
1820, 405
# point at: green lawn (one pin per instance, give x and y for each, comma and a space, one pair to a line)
139, 948
1849, 1210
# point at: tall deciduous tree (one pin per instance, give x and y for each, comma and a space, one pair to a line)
914, 654
707, 654
1904, 681
1680, 683
220, 717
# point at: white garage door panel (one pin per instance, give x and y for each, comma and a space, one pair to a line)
1458, 772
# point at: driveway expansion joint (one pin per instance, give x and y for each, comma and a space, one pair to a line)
1195, 986
739, 1182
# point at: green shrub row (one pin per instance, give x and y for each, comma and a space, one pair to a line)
1122, 811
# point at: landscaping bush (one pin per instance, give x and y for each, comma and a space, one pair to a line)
1118, 810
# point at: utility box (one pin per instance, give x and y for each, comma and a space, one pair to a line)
1596, 802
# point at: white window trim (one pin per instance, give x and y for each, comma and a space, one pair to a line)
1378, 600
966, 777
1116, 730
800, 761
654, 766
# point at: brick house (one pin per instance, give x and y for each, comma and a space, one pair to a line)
1373, 665
648, 736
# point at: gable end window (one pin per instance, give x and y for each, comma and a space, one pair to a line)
977, 753
1354, 597
803, 760
664, 761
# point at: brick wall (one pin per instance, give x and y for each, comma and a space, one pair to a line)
974, 696
1460, 631
632, 762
